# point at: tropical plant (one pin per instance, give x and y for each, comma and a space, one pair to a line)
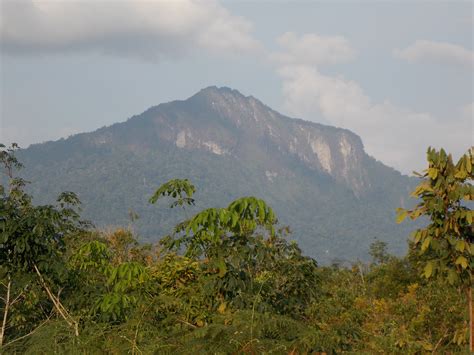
31, 241
446, 244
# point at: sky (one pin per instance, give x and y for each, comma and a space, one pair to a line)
400, 74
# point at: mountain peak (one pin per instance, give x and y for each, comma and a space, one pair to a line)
221, 97
215, 90
229, 145
223, 121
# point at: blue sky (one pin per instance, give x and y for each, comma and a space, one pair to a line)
400, 74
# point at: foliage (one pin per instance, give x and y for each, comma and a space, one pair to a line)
226, 280
31, 244
327, 218
175, 189
446, 246
378, 252
448, 240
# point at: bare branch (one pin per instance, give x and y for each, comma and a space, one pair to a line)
30, 333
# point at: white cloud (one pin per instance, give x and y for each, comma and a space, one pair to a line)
395, 135
312, 49
437, 52
149, 29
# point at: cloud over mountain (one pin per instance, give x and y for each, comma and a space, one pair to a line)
437, 52
312, 49
149, 29
169, 30
396, 135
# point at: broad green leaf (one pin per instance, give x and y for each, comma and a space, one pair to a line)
222, 267
401, 215
426, 244
461, 174
468, 164
461, 260
428, 271
417, 237
452, 277
432, 173
469, 216
460, 245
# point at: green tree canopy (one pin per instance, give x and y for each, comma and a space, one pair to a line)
446, 245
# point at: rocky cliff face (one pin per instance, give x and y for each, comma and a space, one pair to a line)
337, 152
318, 178
224, 122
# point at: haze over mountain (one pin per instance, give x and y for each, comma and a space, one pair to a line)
319, 180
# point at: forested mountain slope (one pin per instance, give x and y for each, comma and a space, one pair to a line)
319, 180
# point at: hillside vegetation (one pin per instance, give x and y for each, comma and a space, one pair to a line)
318, 178
227, 280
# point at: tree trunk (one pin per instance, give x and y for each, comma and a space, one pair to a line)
5, 312
471, 320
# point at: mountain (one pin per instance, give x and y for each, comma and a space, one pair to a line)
321, 183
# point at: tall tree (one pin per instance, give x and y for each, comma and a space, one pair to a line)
445, 245
31, 240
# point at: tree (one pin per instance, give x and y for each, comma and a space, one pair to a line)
378, 252
445, 246
242, 251
31, 240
